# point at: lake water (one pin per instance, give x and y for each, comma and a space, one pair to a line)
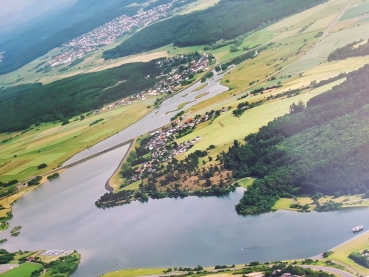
164, 233
61, 214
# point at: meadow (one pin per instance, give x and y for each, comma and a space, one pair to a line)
226, 128
358, 244
53, 144
23, 270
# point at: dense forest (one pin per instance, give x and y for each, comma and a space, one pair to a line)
29, 104
349, 51
226, 20
81, 18
322, 148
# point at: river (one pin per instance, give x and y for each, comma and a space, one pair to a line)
163, 233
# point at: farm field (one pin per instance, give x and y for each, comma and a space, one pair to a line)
226, 128
197, 6
23, 270
53, 144
357, 10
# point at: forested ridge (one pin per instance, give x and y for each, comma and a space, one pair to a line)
226, 20
349, 51
85, 15
322, 148
24, 105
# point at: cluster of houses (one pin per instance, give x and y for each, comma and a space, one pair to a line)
168, 81
161, 138
184, 70
109, 33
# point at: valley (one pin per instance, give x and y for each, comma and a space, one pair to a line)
235, 143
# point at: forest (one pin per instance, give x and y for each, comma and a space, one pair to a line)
349, 51
71, 96
320, 148
81, 18
226, 20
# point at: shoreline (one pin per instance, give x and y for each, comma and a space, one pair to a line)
108, 186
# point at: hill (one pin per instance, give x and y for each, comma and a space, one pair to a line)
29, 104
82, 17
318, 149
226, 20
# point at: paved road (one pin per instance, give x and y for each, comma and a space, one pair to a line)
6, 267
329, 270
334, 22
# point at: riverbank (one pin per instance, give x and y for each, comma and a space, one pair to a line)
114, 181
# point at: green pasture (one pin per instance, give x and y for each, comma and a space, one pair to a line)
226, 128
97, 135
47, 159
132, 186
356, 11
283, 204
52, 143
24, 270
246, 182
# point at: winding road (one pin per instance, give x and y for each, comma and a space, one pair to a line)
329, 270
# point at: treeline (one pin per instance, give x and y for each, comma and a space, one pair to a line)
361, 260
349, 51
29, 104
83, 17
226, 20
322, 148
296, 270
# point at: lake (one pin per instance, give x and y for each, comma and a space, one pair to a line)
165, 233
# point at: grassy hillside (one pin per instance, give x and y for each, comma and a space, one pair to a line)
226, 20
321, 148
81, 18
25, 105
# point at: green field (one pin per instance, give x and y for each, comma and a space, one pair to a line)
283, 204
358, 244
226, 128
356, 11
246, 182
24, 270
135, 272
52, 143
97, 135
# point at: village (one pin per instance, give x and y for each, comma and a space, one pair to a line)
162, 145
79, 47
176, 72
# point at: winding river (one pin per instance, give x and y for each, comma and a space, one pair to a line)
163, 233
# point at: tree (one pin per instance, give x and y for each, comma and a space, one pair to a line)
41, 166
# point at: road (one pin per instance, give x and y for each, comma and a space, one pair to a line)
326, 33
329, 270
333, 23
6, 267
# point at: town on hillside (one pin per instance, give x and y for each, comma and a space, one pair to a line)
108, 33
176, 72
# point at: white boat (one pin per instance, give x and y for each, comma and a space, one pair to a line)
358, 229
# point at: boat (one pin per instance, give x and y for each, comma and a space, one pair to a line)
358, 229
